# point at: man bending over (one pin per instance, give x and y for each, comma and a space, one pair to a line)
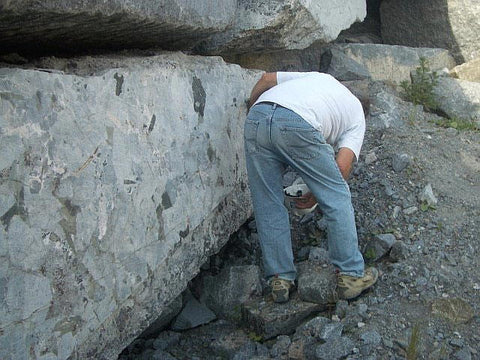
300, 119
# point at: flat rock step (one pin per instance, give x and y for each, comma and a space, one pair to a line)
269, 319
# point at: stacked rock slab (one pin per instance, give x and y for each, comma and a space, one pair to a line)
273, 25
447, 24
211, 27
114, 189
85, 25
381, 62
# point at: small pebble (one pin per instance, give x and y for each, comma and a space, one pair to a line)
411, 210
370, 158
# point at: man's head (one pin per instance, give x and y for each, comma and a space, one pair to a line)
361, 91
365, 101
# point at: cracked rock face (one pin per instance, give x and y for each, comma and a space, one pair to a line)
114, 189
211, 27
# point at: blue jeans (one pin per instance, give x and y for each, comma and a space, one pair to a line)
274, 138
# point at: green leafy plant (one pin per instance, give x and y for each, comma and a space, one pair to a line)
420, 90
370, 254
425, 206
236, 314
255, 337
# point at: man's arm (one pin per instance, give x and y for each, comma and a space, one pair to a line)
344, 160
267, 81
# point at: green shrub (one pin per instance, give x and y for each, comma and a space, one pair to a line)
457, 123
420, 90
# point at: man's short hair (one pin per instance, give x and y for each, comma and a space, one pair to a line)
365, 105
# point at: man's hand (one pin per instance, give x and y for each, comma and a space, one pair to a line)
267, 81
305, 202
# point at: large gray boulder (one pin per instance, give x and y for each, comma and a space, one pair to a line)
446, 24
285, 24
381, 62
213, 26
459, 99
114, 189
227, 291
70, 26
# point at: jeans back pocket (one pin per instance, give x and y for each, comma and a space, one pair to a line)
302, 143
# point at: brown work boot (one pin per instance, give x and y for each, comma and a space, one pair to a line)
281, 289
349, 287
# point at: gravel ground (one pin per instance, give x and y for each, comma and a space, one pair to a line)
419, 183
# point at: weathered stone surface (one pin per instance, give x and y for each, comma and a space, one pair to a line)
235, 285
306, 336
211, 27
335, 348
165, 340
469, 71
319, 255
280, 348
219, 339
163, 320
343, 67
458, 98
316, 283
446, 24
378, 246
284, 24
388, 110
381, 62
54, 25
312, 328
427, 196
271, 319
454, 309
400, 162
114, 189
192, 315
399, 251
281, 60
370, 340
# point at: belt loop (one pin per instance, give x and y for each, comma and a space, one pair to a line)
274, 106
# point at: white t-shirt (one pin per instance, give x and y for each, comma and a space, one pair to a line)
324, 103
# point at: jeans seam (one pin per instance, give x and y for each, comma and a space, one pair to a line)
252, 140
